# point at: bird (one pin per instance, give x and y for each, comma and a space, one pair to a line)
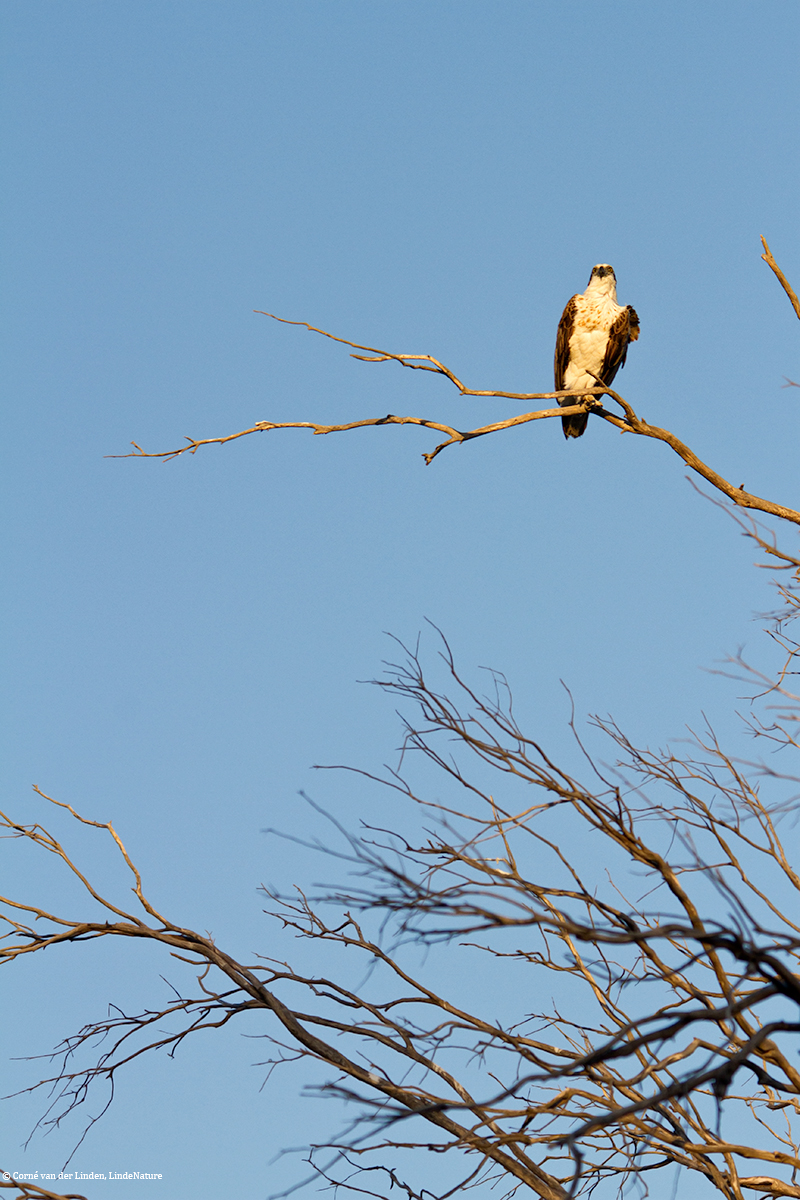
593, 337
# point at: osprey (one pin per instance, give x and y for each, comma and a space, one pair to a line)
593, 336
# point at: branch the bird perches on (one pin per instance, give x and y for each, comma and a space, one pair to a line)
628, 422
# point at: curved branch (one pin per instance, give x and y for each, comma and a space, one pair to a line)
738, 495
416, 362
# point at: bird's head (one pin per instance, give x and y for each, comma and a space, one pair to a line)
603, 279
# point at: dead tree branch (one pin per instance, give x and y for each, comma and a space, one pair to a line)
629, 422
784, 282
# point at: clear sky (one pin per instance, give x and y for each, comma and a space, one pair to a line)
185, 641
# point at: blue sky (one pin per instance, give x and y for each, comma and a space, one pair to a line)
185, 640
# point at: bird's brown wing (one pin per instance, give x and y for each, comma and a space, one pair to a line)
565, 327
624, 330
573, 426
634, 324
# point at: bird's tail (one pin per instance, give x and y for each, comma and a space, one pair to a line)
574, 426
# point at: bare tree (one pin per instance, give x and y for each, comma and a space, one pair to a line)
673, 965
674, 1009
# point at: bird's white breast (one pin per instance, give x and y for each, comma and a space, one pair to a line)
589, 339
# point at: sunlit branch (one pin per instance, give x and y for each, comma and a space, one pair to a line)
586, 401
784, 282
